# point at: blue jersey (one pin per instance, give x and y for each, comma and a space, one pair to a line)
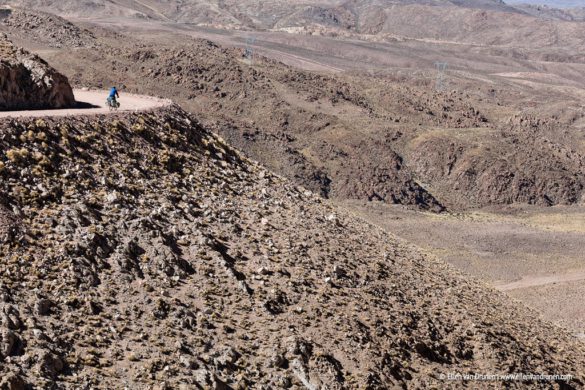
113, 92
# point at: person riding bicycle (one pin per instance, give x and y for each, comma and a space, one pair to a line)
113, 95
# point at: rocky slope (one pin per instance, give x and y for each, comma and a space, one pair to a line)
45, 28
141, 251
268, 111
28, 82
522, 162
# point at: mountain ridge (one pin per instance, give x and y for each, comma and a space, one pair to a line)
487, 22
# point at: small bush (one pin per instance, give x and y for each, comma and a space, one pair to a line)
17, 155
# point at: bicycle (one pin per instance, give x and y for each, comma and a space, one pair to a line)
112, 104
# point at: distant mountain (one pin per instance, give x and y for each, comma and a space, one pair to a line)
550, 3
546, 12
481, 22
256, 13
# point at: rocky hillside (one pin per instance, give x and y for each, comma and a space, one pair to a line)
522, 162
357, 137
272, 112
45, 28
28, 82
141, 251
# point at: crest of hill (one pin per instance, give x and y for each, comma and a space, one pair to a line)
142, 241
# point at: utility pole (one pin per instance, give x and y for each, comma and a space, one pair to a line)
249, 53
440, 82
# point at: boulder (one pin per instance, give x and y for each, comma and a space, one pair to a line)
27, 82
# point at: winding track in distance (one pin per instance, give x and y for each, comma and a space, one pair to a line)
96, 102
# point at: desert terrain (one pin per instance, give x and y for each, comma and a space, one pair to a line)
420, 132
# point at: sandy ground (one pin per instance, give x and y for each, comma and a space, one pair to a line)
97, 99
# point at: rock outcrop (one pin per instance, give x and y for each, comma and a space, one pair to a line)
28, 82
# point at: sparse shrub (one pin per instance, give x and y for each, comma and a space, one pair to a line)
40, 123
37, 171
116, 125
138, 128
42, 159
64, 129
17, 155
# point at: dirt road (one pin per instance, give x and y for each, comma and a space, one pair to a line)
533, 281
94, 102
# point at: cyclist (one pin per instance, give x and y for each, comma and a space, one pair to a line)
113, 96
